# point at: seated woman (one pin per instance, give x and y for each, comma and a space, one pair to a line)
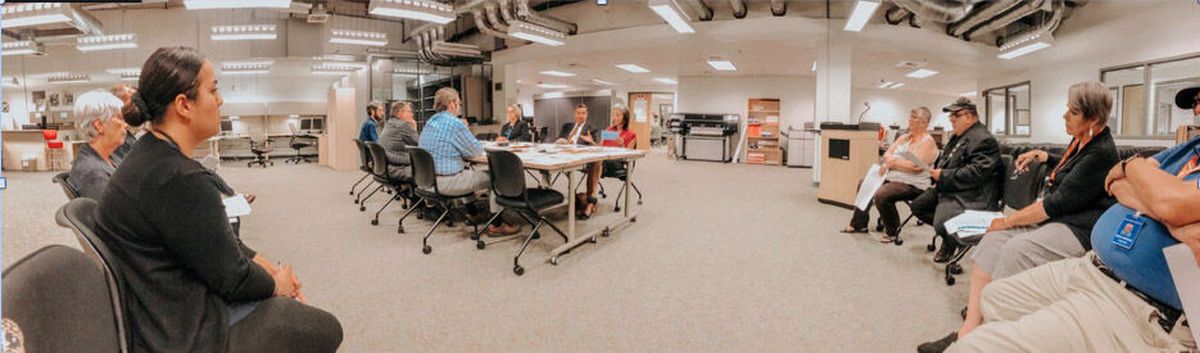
514, 128
904, 179
98, 118
1058, 226
190, 285
616, 135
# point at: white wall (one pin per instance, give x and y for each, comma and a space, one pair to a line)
1160, 30
891, 107
707, 94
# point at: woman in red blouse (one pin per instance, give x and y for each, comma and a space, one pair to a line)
616, 135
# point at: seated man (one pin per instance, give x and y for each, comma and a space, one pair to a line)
98, 117
449, 141
1120, 297
579, 132
369, 132
966, 175
399, 132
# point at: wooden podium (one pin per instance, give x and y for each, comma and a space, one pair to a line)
847, 152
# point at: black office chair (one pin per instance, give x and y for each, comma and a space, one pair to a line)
298, 145
426, 189
79, 215
621, 174
260, 150
59, 302
68, 189
378, 179
508, 186
401, 187
364, 164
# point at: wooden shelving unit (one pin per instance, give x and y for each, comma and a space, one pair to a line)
762, 132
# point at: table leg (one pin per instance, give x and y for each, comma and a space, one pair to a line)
570, 205
628, 180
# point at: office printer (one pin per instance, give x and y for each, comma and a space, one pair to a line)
707, 137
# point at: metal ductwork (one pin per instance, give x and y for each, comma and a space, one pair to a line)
528, 15
702, 11
778, 7
1058, 12
1024, 8
500, 26
895, 15
942, 11
986, 12
480, 22
433, 48
739, 8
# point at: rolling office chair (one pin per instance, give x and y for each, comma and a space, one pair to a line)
425, 180
508, 185
62, 180
260, 150
401, 187
621, 174
366, 166
56, 300
298, 145
79, 216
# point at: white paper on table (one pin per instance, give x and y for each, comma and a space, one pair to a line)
913, 158
870, 185
971, 223
1186, 275
236, 206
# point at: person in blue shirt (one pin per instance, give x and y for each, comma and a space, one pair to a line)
449, 142
370, 128
1120, 297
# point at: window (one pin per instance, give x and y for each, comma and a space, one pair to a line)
1132, 116
1007, 110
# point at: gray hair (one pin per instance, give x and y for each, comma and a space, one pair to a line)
443, 98
1093, 99
93, 106
923, 112
397, 105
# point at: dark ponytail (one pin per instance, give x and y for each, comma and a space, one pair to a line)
167, 73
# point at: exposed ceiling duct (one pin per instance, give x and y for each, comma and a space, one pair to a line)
528, 15
433, 48
986, 12
1057, 14
482, 25
942, 11
1025, 8
778, 7
968, 19
739, 8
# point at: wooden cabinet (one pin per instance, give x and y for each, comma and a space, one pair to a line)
762, 132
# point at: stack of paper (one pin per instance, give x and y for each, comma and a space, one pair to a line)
236, 206
971, 223
870, 184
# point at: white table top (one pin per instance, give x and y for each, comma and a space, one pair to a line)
555, 157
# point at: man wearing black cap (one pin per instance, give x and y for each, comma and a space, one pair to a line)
967, 175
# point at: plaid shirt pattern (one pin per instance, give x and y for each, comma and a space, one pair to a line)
449, 141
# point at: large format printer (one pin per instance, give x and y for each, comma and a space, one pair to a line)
706, 137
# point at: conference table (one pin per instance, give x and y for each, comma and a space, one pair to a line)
568, 159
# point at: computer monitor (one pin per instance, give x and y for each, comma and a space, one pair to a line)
318, 124
306, 124
226, 126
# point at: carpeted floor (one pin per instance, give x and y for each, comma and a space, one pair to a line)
722, 258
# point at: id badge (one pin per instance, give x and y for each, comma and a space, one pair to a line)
1127, 232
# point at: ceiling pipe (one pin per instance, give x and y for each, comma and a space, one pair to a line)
506, 11
987, 12
1058, 12
527, 14
500, 26
942, 11
1024, 8
483, 27
704, 13
895, 15
778, 7
739, 8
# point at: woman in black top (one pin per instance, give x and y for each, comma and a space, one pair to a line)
1059, 225
188, 284
514, 129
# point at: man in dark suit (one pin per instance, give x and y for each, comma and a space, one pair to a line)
579, 132
967, 175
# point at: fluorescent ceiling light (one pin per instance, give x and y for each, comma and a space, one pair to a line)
551, 86
246, 67
603, 82
420, 10
68, 78
334, 69
557, 73
243, 32
814, 66
553, 95
888, 84
338, 65
721, 64
25, 15
127, 74
968, 94
20, 47
106, 42
345, 36
235, 4
863, 10
1026, 44
897, 85
633, 68
921, 73
535, 33
665, 80
673, 14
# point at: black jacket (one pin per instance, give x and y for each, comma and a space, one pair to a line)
1077, 198
517, 132
565, 132
971, 170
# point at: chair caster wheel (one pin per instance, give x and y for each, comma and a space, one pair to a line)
956, 269
427, 250
480, 245
474, 237
537, 235
633, 220
351, 193
949, 281
593, 240
356, 202
878, 228
374, 222
616, 209
400, 230
898, 242
931, 247
605, 233
554, 261
518, 270
362, 208
639, 203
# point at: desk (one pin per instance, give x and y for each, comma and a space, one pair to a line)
568, 159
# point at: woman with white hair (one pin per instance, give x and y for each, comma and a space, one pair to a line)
98, 117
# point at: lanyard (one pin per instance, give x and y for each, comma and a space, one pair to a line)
1190, 167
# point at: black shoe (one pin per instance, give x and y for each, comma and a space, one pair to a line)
964, 313
945, 253
938, 346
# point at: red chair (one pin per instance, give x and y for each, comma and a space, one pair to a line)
54, 149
